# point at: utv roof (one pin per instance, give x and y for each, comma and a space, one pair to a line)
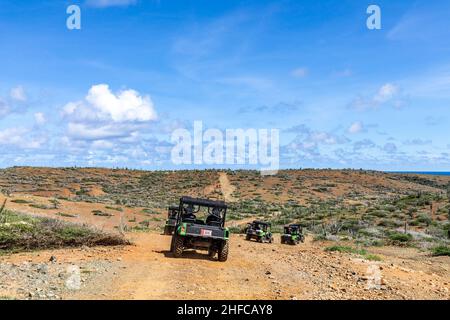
173, 207
204, 202
293, 225
261, 222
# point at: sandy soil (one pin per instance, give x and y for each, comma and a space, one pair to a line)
146, 270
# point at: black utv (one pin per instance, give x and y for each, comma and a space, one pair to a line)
201, 233
171, 221
293, 234
260, 231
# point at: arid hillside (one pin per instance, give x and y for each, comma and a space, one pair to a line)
370, 235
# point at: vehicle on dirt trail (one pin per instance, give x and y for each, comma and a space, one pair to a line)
293, 234
171, 221
192, 232
260, 231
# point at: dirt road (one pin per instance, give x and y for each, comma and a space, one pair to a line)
147, 270
226, 187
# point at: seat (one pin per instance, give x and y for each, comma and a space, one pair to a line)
213, 220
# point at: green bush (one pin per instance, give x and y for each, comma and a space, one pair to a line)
346, 249
441, 251
400, 237
20, 201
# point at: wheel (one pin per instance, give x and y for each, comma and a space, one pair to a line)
167, 230
247, 237
270, 240
172, 243
223, 252
177, 247
282, 240
211, 253
260, 239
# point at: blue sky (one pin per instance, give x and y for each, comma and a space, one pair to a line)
341, 95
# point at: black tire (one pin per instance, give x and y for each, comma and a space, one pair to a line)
282, 240
223, 252
260, 239
171, 243
302, 239
177, 247
211, 253
247, 237
167, 230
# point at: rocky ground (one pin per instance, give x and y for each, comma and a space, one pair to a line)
146, 270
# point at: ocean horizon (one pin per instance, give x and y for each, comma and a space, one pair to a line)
434, 173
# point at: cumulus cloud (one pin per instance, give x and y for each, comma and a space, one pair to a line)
109, 3
18, 94
387, 94
356, 127
20, 138
87, 132
101, 104
300, 72
39, 118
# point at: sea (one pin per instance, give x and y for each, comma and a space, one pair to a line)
433, 173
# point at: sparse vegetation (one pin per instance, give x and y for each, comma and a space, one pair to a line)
362, 252
441, 251
20, 232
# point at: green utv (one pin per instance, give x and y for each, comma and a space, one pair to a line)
171, 221
260, 231
293, 234
191, 232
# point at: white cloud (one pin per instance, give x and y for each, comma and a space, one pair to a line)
20, 138
300, 72
18, 94
102, 144
110, 3
386, 93
356, 127
87, 132
39, 118
101, 104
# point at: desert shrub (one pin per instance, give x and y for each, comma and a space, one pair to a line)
441, 251
237, 229
346, 249
21, 232
101, 213
372, 257
400, 237
379, 213
390, 223
20, 201
114, 208
423, 218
